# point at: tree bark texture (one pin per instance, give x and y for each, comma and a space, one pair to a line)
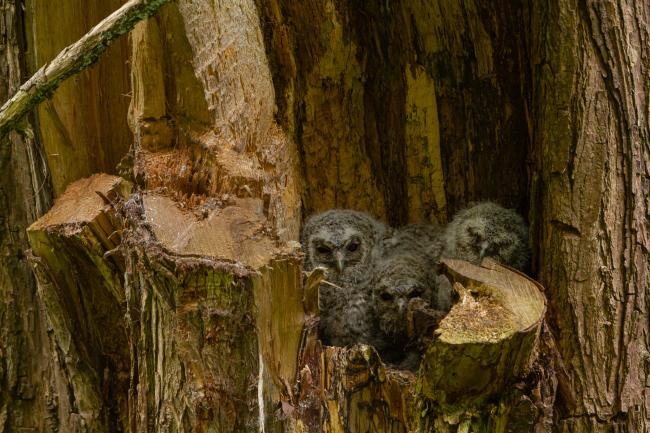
30, 380
591, 180
233, 120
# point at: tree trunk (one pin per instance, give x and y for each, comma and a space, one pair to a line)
180, 307
31, 388
591, 212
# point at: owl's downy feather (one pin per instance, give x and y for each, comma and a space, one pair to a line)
487, 230
347, 317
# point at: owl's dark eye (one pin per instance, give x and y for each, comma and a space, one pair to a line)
353, 246
475, 237
323, 249
385, 296
415, 292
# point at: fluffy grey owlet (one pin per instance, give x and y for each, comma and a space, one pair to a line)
407, 270
487, 230
345, 243
342, 241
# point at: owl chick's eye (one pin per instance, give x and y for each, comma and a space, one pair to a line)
385, 296
474, 236
353, 246
323, 249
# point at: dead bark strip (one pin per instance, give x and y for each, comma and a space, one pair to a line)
29, 387
74, 59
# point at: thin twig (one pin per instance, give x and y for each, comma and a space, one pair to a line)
74, 59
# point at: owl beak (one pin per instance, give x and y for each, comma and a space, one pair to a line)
339, 261
401, 305
484, 247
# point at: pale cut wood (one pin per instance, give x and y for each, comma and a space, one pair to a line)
485, 348
74, 59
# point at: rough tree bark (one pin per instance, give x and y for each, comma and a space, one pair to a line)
244, 116
29, 377
591, 208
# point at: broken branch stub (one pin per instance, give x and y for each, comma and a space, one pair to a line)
80, 282
74, 59
489, 338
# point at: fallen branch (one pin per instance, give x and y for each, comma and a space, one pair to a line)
74, 59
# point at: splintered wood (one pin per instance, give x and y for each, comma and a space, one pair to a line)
213, 307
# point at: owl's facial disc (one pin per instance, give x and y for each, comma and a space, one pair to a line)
476, 239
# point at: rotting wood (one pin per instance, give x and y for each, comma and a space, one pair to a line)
74, 59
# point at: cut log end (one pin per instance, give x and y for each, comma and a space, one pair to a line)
488, 340
236, 232
495, 302
83, 201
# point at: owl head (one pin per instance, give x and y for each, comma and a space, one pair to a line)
488, 230
396, 281
342, 241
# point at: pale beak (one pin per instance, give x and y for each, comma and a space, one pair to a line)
401, 305
484, 247
339, 260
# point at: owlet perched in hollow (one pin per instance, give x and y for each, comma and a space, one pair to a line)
487, 230
345, 243
407, 270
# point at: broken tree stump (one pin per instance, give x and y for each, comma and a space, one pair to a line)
476, 368
165, 318
188, 320
474, 375
81, 283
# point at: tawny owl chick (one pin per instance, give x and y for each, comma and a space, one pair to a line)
407, 270
487, 230
346, 244
347, 317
